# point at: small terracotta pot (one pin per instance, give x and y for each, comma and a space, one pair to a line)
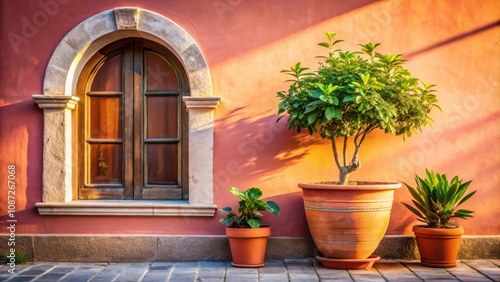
438, 247
248, 245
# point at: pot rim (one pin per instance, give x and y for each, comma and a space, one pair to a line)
424, 229
261, 226
262, 231
353, 185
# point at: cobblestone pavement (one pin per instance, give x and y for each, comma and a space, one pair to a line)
283, 270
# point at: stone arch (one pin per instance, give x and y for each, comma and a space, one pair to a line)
99, 30
58, 100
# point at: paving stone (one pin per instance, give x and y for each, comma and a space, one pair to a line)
393, 271
21, 267
429, 273
81, 275
369, 275
93, 265
301, 270
209, 270
51, 276
62, 269
35, 270
495, 262
183, 271
17, 270
188, 267
158, 271
133, 272
273, 271
328, 274
22, 278
4, 276
182, 277
205, 273
161, 266
487, 268
106, 275
242, 279
209, 279
443, 280
156, 276
273, 277
465, 273
238, 274
273, 267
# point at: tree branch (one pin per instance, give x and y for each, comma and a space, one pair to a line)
345, 150
335, 154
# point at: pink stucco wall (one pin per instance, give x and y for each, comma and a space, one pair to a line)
454, 44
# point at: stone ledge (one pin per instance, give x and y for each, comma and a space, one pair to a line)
202, 102
143, 248
126, 208
56, 101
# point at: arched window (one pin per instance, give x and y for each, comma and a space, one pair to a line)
132, 124
111, 89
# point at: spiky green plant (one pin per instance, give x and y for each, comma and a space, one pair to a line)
436, 200
19, 257
250, 207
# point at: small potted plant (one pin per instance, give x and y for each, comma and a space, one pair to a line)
247, 237
436, 201
350, 95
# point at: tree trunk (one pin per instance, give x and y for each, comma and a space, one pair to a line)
344, 176
346, 170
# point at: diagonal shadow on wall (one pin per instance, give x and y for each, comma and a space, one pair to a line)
255, 147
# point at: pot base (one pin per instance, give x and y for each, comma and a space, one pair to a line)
439, 264
247, 265
348, 263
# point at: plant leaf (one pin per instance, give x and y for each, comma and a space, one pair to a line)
273, 207
312, 117
330, 113
226, 209
254, 222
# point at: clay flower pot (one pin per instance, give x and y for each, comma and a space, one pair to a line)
248, 245
438, 247
348, 221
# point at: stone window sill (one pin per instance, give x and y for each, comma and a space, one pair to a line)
126, 208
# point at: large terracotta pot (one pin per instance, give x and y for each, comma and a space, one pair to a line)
348, 221
438, 247
248, 245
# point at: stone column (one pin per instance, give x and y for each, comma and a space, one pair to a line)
201, 135
57, 147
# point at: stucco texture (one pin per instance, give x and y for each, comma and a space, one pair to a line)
453, 44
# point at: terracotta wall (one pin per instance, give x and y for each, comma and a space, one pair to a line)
454, 44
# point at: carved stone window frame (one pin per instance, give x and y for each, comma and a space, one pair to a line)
58, 101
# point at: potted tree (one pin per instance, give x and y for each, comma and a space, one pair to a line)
436, 201
348, 96
247, 237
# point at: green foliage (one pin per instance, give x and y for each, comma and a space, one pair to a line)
436, 199
354, 93
250, 207
20, 258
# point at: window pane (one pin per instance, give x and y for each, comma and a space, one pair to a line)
162, 116
105, 122
109, 76
106, 163
160, 76
162, 163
